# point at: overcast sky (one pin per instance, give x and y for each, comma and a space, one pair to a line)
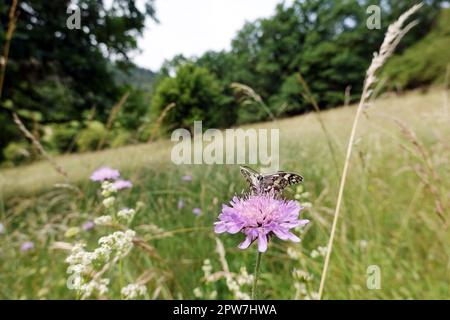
192, 27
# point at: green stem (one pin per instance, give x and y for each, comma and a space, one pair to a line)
256, 275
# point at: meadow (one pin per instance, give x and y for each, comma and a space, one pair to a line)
395, 213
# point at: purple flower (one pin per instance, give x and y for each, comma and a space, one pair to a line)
26, 246
259, 217
88, 225
186, 178
197, 211
122, 184
105, 173
180, 204
2, 228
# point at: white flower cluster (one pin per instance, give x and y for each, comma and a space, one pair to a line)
303, 196
207, 269
126, 215
108, 189
83, 264
133, 291
86, 268
302, 275
303, 293
198, 293
118, 242
319, 252
234, 282
109, 202
293, 254
99, 286
103, 220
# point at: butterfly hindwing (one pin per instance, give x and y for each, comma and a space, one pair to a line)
277, 182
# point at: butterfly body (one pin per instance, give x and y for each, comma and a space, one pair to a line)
269, 183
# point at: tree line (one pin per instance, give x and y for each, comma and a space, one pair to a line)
68, 85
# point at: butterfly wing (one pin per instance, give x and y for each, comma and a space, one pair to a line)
253, 178
278, 181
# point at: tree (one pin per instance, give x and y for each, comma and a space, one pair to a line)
58, 72
197, 95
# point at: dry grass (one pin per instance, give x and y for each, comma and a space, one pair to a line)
411, 108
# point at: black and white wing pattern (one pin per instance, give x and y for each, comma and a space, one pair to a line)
267, 183
253, 178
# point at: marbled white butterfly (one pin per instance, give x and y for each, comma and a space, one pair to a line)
266, 183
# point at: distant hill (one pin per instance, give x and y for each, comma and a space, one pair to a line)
426, 62
137, 77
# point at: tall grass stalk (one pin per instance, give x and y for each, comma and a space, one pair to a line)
160, 120
394, 34
310, 98
112, 116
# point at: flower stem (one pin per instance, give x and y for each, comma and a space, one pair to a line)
256, 275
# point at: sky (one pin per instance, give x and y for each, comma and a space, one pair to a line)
192, 27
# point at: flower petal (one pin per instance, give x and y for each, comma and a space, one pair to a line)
262, 243
246, 243
220, 227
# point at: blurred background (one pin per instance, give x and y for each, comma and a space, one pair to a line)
109, 90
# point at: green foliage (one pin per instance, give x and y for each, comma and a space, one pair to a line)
17, 153
61, 137
90, 137
197, 95
425, 62
61, 72
134, 110
121, 138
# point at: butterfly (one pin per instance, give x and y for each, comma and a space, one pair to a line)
267, 183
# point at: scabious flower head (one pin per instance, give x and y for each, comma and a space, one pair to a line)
259, 217
105, 173
186, 178
197, 211
26, 246
88, 225
122, 184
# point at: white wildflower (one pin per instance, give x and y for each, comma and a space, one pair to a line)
213, 295
94, 286
133, 291
244, 278
109, 202
120, 242
363, 244
302, 275
293, 254
108, 189
198, 293
319, 252
103, 220
126, 214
